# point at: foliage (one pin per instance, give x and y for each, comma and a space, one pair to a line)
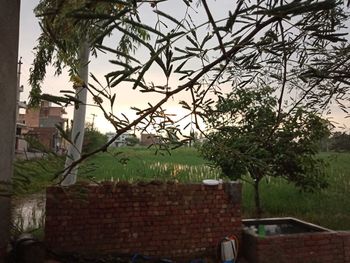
31, 176
296, 47
329, 207
340, 142
247, 138
92, 139
34, 145
65, 25
132, 140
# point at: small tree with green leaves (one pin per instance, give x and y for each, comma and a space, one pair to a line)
245, 139
92, 139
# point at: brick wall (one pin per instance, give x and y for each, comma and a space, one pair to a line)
321, 247
345, 236
32, 117
156, 219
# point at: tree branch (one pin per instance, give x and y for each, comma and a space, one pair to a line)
211, 20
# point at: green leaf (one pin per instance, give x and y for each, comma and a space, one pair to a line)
113, 99
168, 37
146, 27
189, 55
147, 66
120, 63
63, 133
178, 69
57, 99
169, 17
76, 137
95, 79
181, 50
192, 41
135, 37
101, 47
205, 40
67, 91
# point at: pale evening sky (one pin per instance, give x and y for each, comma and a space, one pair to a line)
29, 32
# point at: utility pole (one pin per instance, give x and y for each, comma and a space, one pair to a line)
93, 120
19, 68
9, 31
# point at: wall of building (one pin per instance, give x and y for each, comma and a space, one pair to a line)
21, 145
51, 121
56, 111
320, 247
45, 135
148, 139
156, 219
45, 116
31, 118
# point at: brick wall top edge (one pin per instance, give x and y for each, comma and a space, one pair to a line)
344, 235
142, 184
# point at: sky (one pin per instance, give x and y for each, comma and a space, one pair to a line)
30, 31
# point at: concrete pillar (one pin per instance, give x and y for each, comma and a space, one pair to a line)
78, 128
9, 31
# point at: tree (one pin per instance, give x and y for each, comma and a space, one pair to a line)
340, 141
283, 44
68, 41
245, 140
132, 140
92, 139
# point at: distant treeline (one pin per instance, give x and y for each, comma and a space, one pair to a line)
338, 142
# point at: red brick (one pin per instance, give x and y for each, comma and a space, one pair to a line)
154, 215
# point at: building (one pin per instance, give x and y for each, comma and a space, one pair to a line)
41, 125
20, 142
148, 139
122, 140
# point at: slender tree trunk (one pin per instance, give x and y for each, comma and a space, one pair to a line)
77, 135
258, 209
9, 31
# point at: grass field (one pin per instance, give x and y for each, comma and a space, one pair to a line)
329, 208
134, 164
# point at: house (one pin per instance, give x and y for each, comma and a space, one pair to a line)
148, 139
41, 125
122, 140
20, 142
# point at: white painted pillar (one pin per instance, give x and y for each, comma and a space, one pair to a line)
74, 151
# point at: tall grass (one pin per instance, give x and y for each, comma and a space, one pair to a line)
329, 207
136, 164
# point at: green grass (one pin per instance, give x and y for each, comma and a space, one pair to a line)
329, 207
136, 164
